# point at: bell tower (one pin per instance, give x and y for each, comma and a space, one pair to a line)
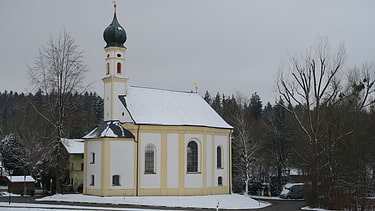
115, 78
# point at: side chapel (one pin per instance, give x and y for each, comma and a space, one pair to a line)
153, 141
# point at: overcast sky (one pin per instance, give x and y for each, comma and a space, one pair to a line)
223, 45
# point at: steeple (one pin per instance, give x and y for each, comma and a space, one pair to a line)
115, 80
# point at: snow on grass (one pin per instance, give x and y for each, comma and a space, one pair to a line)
45, 207
273, 198
315, 209
7, 194
233, 201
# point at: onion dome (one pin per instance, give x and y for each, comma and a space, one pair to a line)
114, 35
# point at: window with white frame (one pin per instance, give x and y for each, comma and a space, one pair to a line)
220, 181
92, 158
150, 159
118, 67
219, 156
192, 157
116, 180
92, 181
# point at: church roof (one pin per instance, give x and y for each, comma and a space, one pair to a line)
165, 107
110, 129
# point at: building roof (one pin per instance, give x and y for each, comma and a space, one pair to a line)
165, 107
73, 146
20, 178
109, 129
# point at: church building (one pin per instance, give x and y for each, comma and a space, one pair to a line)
153, 141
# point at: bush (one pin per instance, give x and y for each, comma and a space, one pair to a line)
351, 203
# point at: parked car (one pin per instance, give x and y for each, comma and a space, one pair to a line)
292, 191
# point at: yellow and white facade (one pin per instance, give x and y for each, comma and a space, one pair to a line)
153, 141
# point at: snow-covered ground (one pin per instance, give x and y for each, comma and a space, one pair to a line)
272, 198
45, 207
233, 201
314, 209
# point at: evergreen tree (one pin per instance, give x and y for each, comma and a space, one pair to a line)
256, 106
13, 154
207, 98
216, 103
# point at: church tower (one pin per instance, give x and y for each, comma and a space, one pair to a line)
115, 78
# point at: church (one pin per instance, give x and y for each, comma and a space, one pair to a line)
153, 141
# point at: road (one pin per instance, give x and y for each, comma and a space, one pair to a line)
284, 205
277, 205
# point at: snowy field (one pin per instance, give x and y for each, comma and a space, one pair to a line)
233, 201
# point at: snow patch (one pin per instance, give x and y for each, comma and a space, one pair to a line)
233, 201
316, 209
73, 146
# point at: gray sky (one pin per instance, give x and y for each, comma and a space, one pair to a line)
223, 45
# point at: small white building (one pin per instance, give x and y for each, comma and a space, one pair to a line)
154, 141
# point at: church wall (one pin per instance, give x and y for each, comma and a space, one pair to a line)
194, 180
121, 152
107, 101
210, 160
172, 161
150, 180
172, 157
93, 168
119, 88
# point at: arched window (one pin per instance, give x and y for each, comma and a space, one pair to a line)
107, 68
118, 67
116, 180
218, 158
192, 157
150, 159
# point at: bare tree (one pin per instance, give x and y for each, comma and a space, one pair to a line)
244, 143
57, 71
311, 87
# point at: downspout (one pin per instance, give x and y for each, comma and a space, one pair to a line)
137, 168
230, 159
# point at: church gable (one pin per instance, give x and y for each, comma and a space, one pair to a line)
164, 107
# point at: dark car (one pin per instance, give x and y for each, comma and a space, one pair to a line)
292, 191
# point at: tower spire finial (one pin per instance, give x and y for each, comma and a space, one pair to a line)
114, 5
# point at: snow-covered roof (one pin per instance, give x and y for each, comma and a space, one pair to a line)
295, 171
110, 129
21, 178
165, 107
73, 146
